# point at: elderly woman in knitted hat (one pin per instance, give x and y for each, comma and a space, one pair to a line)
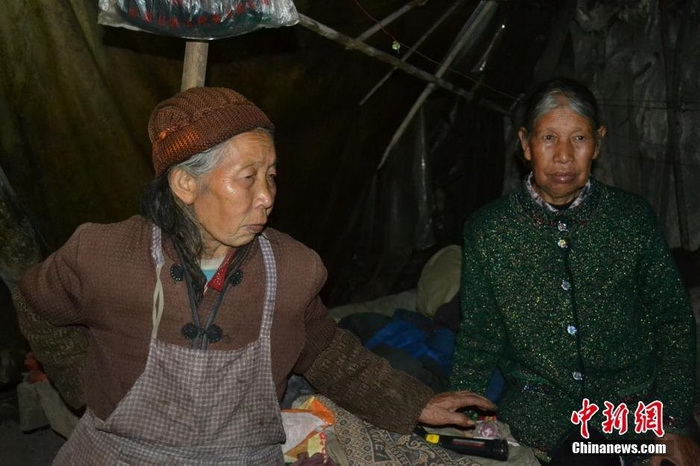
570, 290
194, 314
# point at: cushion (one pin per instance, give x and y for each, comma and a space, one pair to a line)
439, 280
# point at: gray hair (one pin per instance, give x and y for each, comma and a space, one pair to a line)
162, 207
204, 162
560, 93
207, 160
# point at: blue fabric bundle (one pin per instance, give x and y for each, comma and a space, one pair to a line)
418, 335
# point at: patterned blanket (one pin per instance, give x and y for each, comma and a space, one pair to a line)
366, 445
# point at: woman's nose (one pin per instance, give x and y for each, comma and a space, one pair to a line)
266, 195
564, 152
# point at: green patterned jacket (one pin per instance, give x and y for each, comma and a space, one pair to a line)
580, 303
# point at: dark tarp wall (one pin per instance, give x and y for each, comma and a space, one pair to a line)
418, 200
75, 98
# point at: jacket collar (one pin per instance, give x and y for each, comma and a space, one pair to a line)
579, 213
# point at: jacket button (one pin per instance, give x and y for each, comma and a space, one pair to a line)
177, 272
565, 285
577, 376
571, 330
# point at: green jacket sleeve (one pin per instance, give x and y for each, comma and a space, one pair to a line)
674, 326
481, 336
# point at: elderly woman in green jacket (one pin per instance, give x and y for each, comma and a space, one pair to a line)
569, 290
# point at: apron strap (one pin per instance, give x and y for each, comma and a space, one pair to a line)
158, 298
270, 285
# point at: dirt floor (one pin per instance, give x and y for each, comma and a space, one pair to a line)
17, 448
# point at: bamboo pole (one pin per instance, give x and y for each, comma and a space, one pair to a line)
389, 19
194, 69
413, 48
476, 24
353, 44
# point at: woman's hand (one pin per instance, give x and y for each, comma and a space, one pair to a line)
441, 409
681, 450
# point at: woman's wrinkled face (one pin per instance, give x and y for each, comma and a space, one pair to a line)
561, 149
233, 202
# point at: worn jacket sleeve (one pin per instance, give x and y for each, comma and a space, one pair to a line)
367, 386
480, 338
337, 365
673, 325
47, 300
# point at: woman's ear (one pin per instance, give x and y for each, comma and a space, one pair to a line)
183, 185
602, 131
600, 135
523, 136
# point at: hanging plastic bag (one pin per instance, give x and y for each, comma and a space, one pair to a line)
197, 19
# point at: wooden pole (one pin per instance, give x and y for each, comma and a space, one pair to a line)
389, 19
353, 44
414, 47
194, 70
474, 27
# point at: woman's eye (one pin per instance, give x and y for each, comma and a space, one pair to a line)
248, 178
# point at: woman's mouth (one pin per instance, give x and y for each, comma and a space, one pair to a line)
256, 228
563, 177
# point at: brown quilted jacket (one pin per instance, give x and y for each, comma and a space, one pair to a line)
86, 311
